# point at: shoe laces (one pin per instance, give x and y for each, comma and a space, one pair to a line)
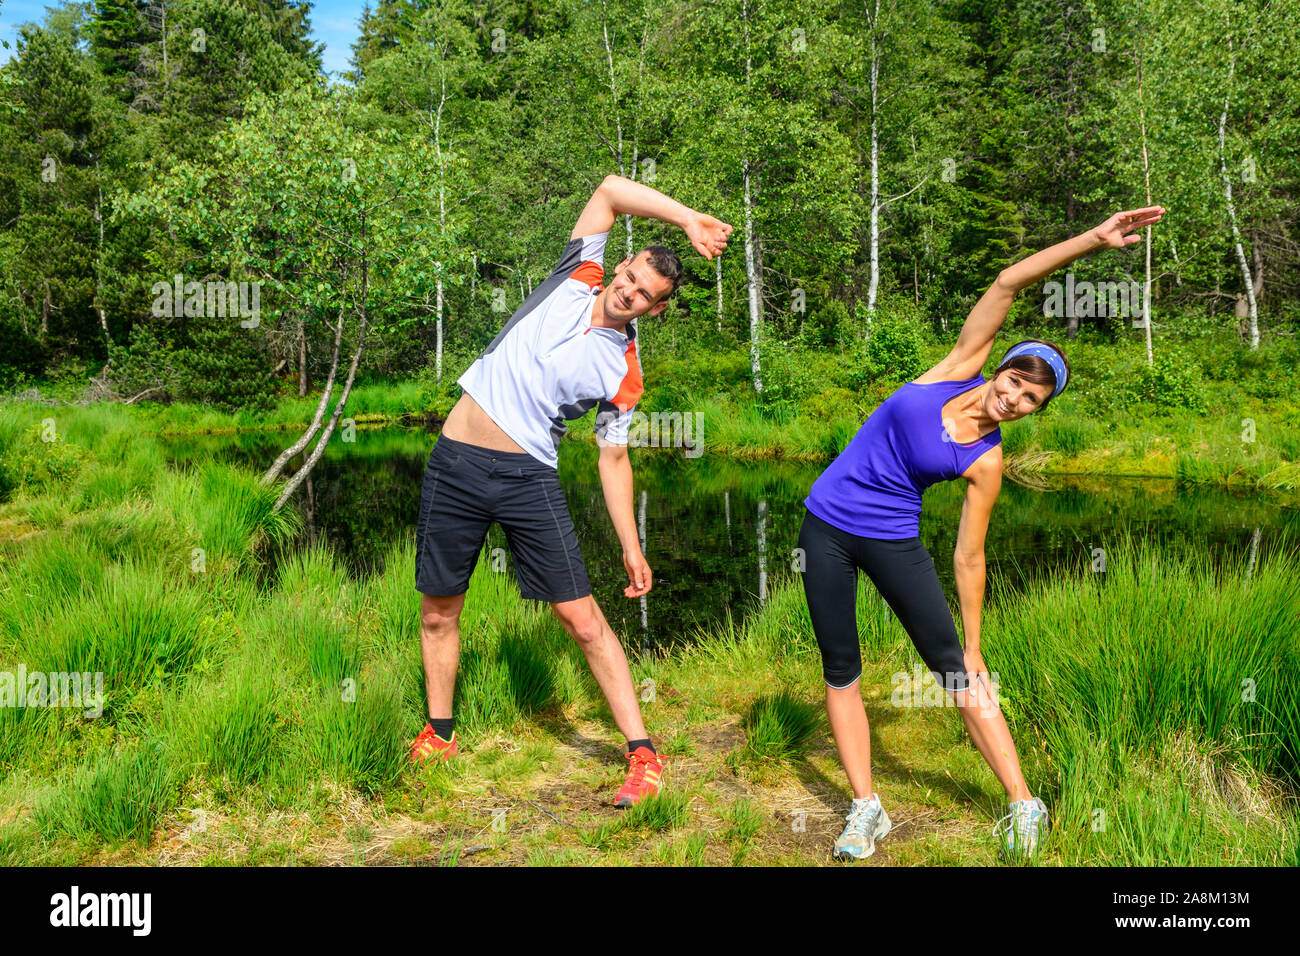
637, 766
1017, 822
863, 819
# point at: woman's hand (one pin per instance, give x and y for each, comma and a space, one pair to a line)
1114, 233
707, 235
638, 573
975, 663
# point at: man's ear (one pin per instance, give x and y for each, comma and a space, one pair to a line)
658, 307
623, 265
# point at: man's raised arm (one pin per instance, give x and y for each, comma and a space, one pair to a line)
617, 196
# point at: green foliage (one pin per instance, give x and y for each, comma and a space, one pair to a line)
224, 365
30, 464
826, 324
893, 350
1173, 380
24, 355
148, 361
788, 377
438, 397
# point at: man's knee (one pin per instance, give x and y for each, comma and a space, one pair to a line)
440, 615
581, 618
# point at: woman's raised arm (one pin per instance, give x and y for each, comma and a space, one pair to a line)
976, 339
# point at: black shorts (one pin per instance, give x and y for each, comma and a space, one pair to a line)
903, 572
466, 488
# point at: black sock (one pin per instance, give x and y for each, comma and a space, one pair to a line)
443, 728
633, 744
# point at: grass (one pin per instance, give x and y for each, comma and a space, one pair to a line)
120, 797
1150, 706
779, 726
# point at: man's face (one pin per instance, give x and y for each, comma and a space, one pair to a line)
637, 290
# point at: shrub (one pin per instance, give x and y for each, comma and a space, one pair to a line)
146, 361
32, 464
439, 397
789, 375
24, 356
1173, 381
893, 350
826, 325
225, 365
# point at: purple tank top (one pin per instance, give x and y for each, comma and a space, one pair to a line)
873, 489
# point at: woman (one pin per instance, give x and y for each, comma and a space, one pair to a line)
864, 512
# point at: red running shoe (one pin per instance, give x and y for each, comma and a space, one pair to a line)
645, 767
430, 747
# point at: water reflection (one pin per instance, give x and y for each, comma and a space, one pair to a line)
719, 534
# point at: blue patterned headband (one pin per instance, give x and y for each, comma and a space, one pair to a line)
1044, 352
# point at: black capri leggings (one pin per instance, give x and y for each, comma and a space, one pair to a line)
903, 572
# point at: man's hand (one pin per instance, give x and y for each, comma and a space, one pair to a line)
975, 663
1114, 233
638, 572
707, 235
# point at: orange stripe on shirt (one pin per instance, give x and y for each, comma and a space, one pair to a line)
629, 391
589, 273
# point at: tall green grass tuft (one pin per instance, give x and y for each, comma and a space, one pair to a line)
118, 797
1119, 678
779, 727
659, 813
358, 737
23, 732
236, 727
140, 626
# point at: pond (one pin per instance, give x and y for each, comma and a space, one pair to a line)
719, 533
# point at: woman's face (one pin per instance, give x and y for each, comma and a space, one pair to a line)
1012, 396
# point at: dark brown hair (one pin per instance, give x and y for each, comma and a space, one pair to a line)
1035, 370
665, 262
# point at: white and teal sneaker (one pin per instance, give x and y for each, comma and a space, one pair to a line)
1019, 830
866, 823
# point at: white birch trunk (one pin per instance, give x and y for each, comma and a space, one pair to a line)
755, 316
726, 505
751, 273
437, 372
442, 216
1146, 176
718, 264
1232, 208
326, 393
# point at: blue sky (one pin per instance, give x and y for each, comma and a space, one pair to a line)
333, 22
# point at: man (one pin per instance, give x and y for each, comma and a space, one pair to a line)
569, 348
